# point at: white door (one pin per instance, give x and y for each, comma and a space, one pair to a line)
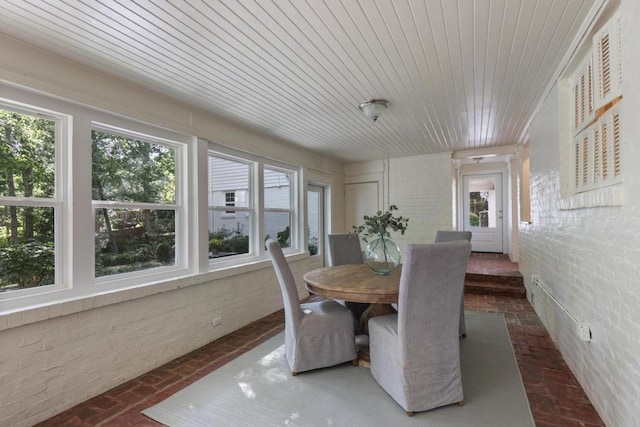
482, 211
315, 222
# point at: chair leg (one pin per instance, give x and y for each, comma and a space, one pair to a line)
293, 374
354, 362
461, 403
409, 413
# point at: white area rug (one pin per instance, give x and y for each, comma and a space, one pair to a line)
257, 389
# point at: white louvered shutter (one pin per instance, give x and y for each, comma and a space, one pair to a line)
608, 63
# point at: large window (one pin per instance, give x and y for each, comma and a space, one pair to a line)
278, 205
237, 225
230, 206
29, 205
135, 203
93, 203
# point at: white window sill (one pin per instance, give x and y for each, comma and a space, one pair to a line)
25, 316
599, 197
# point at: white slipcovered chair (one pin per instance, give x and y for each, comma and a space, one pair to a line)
452, 236
345, 249
316, 335
415, 354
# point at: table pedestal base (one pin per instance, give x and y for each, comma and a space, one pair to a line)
374, 310
362, 341
362, 347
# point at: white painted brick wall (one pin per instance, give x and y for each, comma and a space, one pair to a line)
421, 186
590, 258
52, 365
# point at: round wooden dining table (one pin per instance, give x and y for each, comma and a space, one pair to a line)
357, 283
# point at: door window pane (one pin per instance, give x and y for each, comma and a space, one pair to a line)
314, 217
482, 202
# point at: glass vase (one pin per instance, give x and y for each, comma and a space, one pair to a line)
382, 255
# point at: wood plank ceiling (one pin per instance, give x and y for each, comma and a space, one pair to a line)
459, 74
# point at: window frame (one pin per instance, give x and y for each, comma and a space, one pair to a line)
293, 203
57, 202
180, 265
76, 288
257, 251
224, 209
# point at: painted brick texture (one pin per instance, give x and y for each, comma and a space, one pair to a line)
589, 258
49, 366
421, 186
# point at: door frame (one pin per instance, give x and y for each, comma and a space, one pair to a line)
504, 196
318, 260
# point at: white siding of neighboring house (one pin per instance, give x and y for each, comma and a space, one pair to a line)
277, 194
227, 176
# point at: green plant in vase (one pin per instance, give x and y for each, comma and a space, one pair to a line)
382, 254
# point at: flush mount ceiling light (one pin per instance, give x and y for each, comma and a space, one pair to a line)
374, 108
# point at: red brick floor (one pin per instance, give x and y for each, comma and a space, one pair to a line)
555, 397
492, 264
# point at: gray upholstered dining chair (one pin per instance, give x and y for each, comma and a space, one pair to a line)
415, 354
316, 335
452, 236
344, 248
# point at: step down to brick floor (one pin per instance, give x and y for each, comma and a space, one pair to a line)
511, 278
508, 284
493, 274
494, 288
